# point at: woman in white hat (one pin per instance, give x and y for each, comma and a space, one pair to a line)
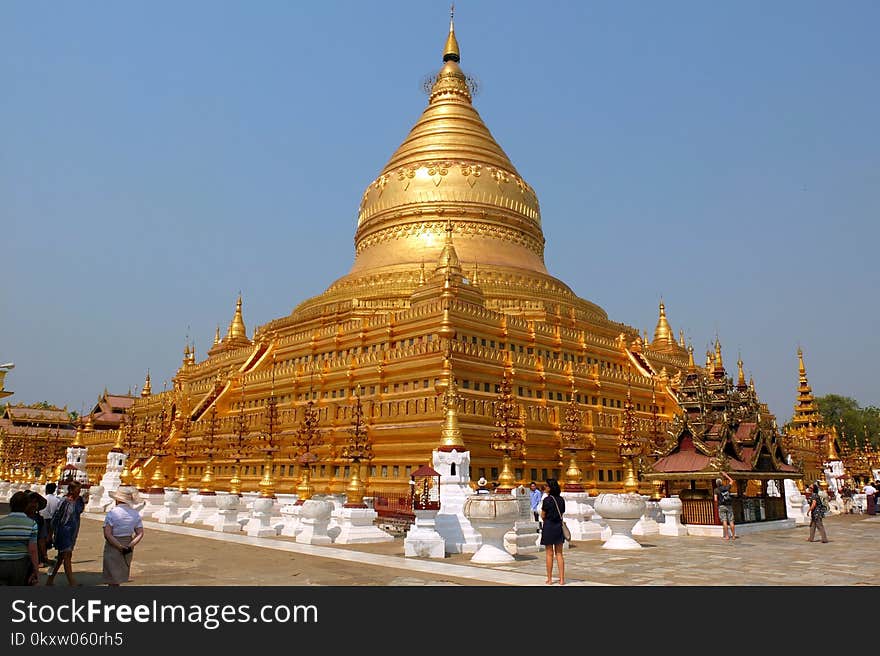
123, 529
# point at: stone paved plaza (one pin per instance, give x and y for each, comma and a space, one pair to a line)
194, 556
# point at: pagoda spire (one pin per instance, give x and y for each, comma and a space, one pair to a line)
719, 362
450, 434
236, 326
147, 390
692, 366
681, 341
217, 336
450, 50
741, 378
664, 337
448, 260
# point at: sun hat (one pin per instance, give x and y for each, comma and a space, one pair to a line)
482, 481
123, 495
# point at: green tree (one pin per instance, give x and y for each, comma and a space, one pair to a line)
853, 422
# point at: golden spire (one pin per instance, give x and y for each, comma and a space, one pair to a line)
90, 425
450, 434
451, 160
77, 437
691, 364
450, 50
474, 278
118, 445
217, 335
448, 261
147, 390
663, 335
709, 366
741, 379
422, 274
236, 326
681, 339
719, 363
802, 370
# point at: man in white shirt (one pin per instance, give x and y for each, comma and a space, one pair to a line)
870, 498
44, 541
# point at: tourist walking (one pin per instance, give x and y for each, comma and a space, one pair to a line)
552, 510
817, 514
535, 500
870, 498
19, 560
846, 498
65, 529
123, 529
724, 498
44, 541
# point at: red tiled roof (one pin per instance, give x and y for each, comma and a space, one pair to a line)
38, 414
744, 431
691, 461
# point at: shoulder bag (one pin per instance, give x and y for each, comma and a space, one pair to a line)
566, 533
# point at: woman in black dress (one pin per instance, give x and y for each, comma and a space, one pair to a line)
552, 509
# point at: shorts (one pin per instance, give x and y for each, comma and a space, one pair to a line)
725, 514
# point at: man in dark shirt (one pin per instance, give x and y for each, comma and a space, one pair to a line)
724, 498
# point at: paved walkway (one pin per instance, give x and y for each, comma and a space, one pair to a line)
186, 555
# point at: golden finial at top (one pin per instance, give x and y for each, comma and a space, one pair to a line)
802, 370
217, 335
741, 379
237, 329
147, 390
664, 337
719, 363
450, 50
691, 364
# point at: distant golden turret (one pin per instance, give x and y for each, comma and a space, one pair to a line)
236, 326
664, 337
741, 377
147, 389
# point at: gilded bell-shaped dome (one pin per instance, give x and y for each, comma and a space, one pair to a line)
449, 166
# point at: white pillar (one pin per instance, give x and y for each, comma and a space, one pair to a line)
457, 532
524, 536
171, 512
112, 478
422, 539
227, 514
579, 517
356, 526
260, 524
672, 508
315, 519
647, 525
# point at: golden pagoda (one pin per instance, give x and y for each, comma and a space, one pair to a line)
409, 312
810, 442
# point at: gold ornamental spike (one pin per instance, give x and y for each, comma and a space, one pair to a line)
217, 335
719, 363
237, 329
147, 390
450, 50
663, 334
802, 370
741, 379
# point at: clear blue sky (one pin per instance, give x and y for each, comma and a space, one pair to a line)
156, 158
